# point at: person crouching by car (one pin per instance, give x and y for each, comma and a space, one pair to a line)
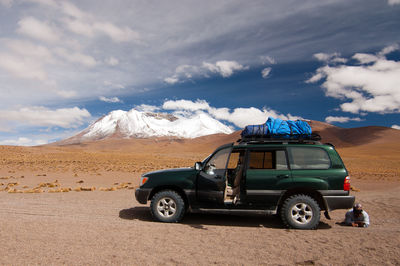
357, 217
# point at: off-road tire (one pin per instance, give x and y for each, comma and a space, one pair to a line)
167, 206
300, 212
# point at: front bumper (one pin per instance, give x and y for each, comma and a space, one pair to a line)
142, 195
339, 202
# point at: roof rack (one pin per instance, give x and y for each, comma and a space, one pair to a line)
281, 139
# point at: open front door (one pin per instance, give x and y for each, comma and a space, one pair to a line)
211, 181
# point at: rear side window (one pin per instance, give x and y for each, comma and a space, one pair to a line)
308, 158
268, 160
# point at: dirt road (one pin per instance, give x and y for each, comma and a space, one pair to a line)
98, 227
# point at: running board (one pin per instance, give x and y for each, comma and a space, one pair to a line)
234, 211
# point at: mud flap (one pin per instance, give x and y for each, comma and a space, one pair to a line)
326, 213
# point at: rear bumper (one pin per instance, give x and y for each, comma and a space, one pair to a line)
142, 195
339, 202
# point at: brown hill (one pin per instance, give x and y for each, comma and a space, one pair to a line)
340, 137
347, 137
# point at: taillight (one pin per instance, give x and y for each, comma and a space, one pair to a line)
346, 184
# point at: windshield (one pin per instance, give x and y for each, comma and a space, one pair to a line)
205, 159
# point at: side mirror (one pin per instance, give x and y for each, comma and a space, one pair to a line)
198, 166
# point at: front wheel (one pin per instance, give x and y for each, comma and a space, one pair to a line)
167, 206
300, 212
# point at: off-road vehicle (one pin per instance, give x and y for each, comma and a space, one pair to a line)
295, 179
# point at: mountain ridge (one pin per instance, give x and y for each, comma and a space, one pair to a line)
340, 137
137, 124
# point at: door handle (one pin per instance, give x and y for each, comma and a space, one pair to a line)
282, 176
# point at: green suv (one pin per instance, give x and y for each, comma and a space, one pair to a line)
293, 179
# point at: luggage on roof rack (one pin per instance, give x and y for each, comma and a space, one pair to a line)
313, 138
279, 130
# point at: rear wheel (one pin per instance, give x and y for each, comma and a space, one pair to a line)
300, 212
167, 206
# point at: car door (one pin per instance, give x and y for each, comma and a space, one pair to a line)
211, 180
267, 176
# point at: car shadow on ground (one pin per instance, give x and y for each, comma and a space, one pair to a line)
200, 220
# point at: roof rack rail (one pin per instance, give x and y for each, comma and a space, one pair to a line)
313, 139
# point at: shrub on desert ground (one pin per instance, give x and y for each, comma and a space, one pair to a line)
107, 189
78, 189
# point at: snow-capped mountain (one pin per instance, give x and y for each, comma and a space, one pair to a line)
137, 124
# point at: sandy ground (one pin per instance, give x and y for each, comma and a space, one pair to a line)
110, 227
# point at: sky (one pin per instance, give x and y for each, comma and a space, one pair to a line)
64, 64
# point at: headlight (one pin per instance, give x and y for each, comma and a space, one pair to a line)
143, 180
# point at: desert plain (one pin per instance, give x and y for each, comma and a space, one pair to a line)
74, 204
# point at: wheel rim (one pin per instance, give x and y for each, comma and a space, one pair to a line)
301, 213
166, 207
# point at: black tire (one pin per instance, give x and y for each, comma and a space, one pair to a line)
300, 212
167, 206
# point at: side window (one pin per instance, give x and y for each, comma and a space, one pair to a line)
308, 158
268, 160
281, 163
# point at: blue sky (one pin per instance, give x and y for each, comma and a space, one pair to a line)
64, 64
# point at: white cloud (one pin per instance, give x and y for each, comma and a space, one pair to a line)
317, 76
389, 49
22, 141
171, 80
110, 100
393, 2
79, 27
341, 119
186, 105
50, 3
28, 49
265, 59
42, 116
90, 29
6, 3
369, 87
73, 11
265, 72
330, 58
34, 28
117, 34
66, 94
77, 21
186, 70
147, 108
112, 61
76, 57
240, 117
83, 23
396, 127
112, 85
365, 58
224, 68
22, 67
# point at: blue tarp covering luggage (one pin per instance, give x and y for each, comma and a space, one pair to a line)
275, 127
